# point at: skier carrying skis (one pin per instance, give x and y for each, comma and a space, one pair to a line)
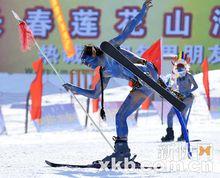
184, 82
93, 57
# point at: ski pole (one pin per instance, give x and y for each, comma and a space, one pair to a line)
63, 82
162, 105
187, 119
185, 133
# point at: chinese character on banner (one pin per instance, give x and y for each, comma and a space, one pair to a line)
215, 56
178, 23
52, 53
196, 53
84, 22
76, 58
125, 15
215, 19
1, 25
170, 50
40, 21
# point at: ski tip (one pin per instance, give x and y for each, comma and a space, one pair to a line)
196, 140
49, 163
103, 44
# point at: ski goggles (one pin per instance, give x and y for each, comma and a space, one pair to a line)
182, 73
181, 69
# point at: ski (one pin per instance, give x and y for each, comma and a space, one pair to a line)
195, 140
72, 165
160, 142
119, 57
94, 166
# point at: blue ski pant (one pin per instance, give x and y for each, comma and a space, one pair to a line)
133, 101
188, 102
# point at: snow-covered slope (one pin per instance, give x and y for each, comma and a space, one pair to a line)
23, 155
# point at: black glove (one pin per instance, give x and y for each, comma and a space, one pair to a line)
141, 61
67, 86
144, 62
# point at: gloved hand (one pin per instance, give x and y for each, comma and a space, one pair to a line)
147, 4
68, 86
144, 62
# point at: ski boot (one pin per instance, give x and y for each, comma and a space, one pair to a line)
181, 137
121, 154
169, 136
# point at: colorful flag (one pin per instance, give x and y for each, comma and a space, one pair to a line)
36, 90
26, 36
154, 55
205, 69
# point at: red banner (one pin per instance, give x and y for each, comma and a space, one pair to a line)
36, 90
153, 54
205, 69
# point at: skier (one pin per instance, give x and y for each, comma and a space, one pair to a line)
184, 82
93, 57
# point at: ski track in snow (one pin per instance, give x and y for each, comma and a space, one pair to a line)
23, 155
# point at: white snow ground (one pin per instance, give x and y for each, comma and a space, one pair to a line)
23, 155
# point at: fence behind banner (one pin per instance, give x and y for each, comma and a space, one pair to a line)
57, 111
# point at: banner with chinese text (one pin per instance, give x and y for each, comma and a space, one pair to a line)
187, 25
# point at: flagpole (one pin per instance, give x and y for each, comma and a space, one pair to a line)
162, 100
63, 82
161, 47
48, 61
